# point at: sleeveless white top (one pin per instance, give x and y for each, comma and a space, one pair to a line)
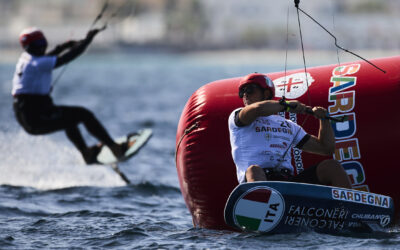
33, 74
263, 143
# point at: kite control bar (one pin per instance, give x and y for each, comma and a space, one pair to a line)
310, 112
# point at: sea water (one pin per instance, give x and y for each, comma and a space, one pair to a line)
50, 199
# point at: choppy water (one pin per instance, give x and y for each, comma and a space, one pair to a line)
50, 199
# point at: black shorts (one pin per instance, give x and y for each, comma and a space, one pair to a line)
38, 115
309, 176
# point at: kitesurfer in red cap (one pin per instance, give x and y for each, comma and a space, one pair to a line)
261, 140
32, 85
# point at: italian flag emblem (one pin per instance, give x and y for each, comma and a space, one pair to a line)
259, 209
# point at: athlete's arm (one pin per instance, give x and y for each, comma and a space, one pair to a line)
61, 47
265, 108
324, 144
77, 49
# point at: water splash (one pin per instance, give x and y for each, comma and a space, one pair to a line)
44, 163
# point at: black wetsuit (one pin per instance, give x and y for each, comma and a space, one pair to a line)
38, 115
34, 108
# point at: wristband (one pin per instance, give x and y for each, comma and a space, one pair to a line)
285, 104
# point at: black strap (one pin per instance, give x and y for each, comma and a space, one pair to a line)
303, 141
238, 122
274, 174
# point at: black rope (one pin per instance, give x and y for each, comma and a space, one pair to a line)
285, 80
304, 57
337, 49
282, 101
309, 111
185, 132
286, 56
336, 44
98, 17
118, 10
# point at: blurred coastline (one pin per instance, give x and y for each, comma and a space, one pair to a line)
240, 56
228, 29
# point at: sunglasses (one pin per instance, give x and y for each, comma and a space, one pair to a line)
249, 89
39, 43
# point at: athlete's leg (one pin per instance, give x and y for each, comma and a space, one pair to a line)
75, 136
89, 154
38, 115
255, 173
55, 118
75, 115
91, 123
331, 172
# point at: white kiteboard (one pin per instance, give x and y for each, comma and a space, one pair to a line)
136, 141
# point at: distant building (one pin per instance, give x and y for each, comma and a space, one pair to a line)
208, 24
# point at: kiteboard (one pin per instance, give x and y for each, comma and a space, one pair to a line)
287, 207
135, 141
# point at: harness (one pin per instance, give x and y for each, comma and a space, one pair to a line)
274, 174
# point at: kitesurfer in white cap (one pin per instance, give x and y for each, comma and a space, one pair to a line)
33, 105
261, 140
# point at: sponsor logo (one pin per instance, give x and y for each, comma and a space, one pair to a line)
343, 101
385, 221
261, 121
347, 150
361, 197
283, 145
328, 213
313, 217
259, 209
355, 172
369, 216
347, 128
298, 162
293, 86
273, 130
285, 124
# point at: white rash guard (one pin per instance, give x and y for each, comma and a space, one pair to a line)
33, 74
263, 142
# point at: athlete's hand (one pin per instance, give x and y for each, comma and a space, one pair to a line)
297, 107
70, 43
92, 33
320, 112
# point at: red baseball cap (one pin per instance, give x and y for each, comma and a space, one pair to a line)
259, 79
30, 35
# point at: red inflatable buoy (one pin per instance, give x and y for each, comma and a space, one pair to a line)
366, 144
